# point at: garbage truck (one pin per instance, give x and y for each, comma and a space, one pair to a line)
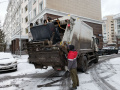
51, 41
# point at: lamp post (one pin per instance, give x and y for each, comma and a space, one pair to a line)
20, 42
20, 37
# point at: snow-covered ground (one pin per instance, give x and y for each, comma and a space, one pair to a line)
23, 67
104, 76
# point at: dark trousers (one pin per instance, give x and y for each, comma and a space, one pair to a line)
74, 77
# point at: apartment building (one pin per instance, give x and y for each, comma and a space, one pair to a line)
15, 25
117, 28
108, 30
111, 30
23, 12
39, 10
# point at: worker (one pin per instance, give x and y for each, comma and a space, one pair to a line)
72, 66
45, 22
31, 25
49, 19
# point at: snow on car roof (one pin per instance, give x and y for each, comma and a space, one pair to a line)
5, 55
109, 47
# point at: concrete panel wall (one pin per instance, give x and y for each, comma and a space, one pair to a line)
86, 8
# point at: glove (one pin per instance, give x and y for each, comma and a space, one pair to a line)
66, 68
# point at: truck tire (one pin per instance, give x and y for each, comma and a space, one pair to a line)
96, 58
83, 64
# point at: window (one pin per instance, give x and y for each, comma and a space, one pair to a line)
34, 12
112, 38
112, 33
119, 32
26, 19
118, 26
26, 8
118, 21
34, 1
118, 42
112, 27
99, 34
26, 30
40, 6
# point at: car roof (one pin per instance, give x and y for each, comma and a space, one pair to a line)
5, 55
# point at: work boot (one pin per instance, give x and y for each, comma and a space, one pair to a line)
73, 88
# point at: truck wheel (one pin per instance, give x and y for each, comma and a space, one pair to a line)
96, 59
83, 64
116, 52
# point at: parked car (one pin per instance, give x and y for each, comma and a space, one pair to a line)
108, 50
7, 62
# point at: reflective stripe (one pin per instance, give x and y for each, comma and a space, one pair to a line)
70, 59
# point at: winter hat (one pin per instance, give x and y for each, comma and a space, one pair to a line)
71, 47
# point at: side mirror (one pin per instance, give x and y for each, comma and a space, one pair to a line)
97, 41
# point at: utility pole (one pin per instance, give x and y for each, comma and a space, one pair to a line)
20, 42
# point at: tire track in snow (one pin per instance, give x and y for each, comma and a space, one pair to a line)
101, 82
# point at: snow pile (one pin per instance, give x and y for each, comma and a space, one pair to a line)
12, 84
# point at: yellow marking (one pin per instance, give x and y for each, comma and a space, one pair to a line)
60, 43
68, 14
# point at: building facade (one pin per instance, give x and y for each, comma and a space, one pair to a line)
23, 12
14, 26
108, 30
39, 9
91, 14
111, 30
117, 29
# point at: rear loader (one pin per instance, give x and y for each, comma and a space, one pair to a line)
51, 41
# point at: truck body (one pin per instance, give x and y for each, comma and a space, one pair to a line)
51, 42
